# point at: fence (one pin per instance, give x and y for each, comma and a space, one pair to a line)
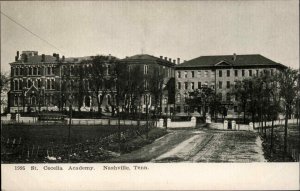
177, 124
35, 121
276, 123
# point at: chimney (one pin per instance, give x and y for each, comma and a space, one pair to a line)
63, 58
18, 55
170, 59
54, 54
57, 57
234, 56
161, 57
178, 60
166, 58
174, 61
43, 57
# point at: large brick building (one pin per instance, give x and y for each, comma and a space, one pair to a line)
38, 82
219, 73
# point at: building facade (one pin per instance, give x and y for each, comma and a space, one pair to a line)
41, 82
158, 81
219, 73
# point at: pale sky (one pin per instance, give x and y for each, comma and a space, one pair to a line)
161, 28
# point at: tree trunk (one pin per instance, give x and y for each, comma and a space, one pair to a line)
272, 132
70, 123
285, 130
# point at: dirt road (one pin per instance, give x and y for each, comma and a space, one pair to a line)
200, 146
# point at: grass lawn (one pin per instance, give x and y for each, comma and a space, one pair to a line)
88, 143
57, 134
277, 153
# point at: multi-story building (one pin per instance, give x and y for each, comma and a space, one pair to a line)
38, 82
219, 73
33, 78
158, 81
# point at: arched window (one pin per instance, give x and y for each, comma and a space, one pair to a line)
33, 100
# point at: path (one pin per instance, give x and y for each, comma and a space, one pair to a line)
200, 146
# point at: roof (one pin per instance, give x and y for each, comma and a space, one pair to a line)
241, 60
38, 59
146, 57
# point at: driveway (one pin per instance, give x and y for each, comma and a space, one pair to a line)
200, 146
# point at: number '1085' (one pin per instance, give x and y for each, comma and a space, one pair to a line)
19, 167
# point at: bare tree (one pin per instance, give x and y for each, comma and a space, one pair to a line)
288, 91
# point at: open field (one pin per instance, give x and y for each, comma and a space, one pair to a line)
57, 134
49, 143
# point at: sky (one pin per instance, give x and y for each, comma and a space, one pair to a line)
173, 29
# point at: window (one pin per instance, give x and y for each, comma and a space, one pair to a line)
178, 74
166, 109
186, 109
220, 73
243, 72
146, 85
48, 84
29, 83
228, 84
30, 71
52, 84
39, 83
39, 71
257, 72
108, 69
16, 85
192, 85
212, 74
236, 73
185, 74
185, 85
250, 72
34, 71
178, 85
145, 69
228, 73
49, 70
235, 109
220, 85
220, 97
199, 85
20, 85
228, 98
178, 109
193, 74
272, 72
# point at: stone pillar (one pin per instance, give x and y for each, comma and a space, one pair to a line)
208, 119
18, 117
8, 116
250, 126
168, 122
160, 123
193, 121
225, 126
233, 124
